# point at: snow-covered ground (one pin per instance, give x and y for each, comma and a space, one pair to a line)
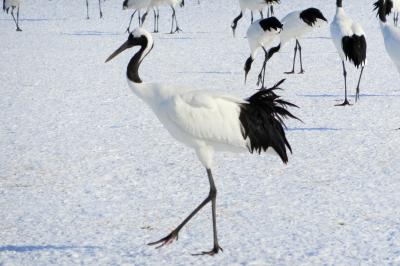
89, 176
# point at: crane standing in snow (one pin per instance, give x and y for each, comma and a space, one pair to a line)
261, 34
209, 121
11, 5
295, 25
155, 4
391, 34
350, 43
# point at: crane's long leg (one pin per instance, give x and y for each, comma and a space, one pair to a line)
158, 18
87, 9
261, 75
294, 60
101, 12
301, 58
130, 21
346, 102
139, 17
252, 18
145, 15
15, 21
174, 234
154, 20
177, 29
272, 10
18, 28
213, 192
358, 85
234, 23
261, 14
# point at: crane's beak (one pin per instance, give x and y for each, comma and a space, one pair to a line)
119, 50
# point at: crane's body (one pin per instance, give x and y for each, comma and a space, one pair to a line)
10, 6
209, 121
295, 25
349, 40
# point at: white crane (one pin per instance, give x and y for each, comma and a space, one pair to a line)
260, 34
252, 5
11, 5
136, 5
349, 39
209, 121
87, 9
295, 25
155, 4
391, 34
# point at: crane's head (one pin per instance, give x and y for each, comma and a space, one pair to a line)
138, 37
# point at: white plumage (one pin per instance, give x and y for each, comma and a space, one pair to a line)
10, 5
350, 43
391, 34
209, 121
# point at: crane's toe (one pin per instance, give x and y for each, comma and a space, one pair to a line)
346, 102
166, 240
212, 252
289, 72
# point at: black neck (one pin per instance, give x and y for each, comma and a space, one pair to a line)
133, 66
382, 12
339, 3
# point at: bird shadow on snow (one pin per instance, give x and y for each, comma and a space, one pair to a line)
349, 95
313, 129
90, 33
33, 248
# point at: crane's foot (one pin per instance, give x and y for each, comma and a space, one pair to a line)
177, 30
289, 72
127, 30
166, 240
18, 29
101, 14
212, 252
346, 102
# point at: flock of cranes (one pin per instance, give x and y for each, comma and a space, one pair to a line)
210, 122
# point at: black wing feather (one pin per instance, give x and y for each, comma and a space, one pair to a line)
355, 49
262, 121
310, 16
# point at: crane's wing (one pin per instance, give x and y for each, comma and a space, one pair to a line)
207, 116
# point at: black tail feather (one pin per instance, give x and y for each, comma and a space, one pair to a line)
262, 121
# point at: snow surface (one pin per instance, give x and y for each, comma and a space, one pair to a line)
89, 176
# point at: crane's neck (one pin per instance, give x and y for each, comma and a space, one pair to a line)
133, 66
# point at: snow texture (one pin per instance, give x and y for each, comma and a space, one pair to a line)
89, 176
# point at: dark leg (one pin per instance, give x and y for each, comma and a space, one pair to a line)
18, 28
235, 21
158, 19
252, 18
139, 18
130, 21
294, 60
213, 193
87, 9
301, 59
174, 234
272, 10
358, 85
155, 20
177, 29
346, 102
261, 75
15, 21
144, 16
261, 14
101, 12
